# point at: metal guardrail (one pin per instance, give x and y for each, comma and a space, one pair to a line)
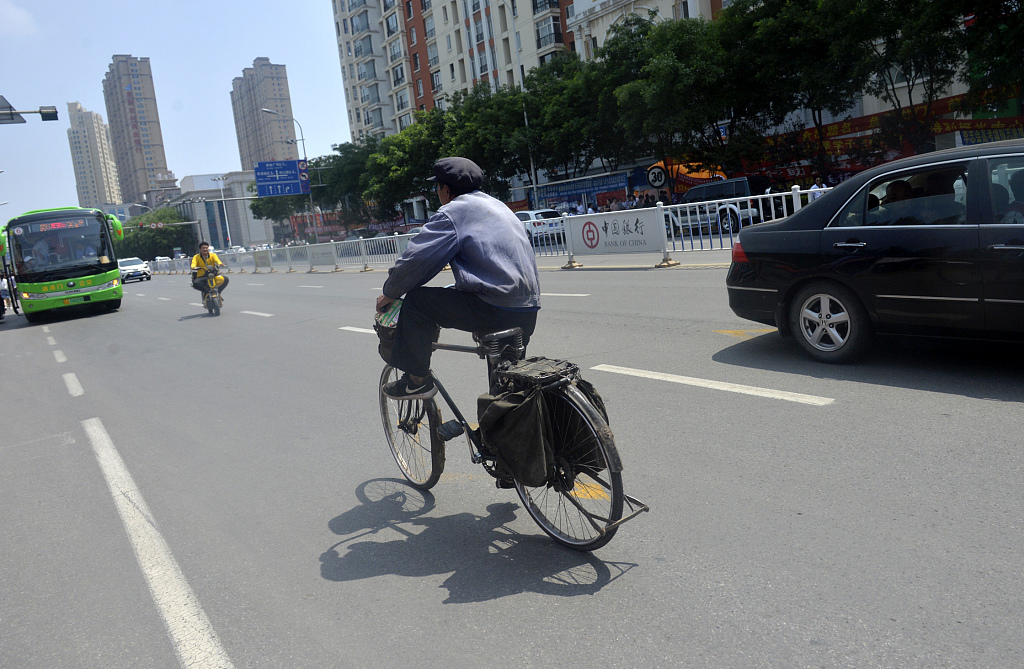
690, 227
360, 254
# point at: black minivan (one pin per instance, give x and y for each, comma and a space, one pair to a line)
740, 213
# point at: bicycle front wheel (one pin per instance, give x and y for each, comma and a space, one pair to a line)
411, 430
580, 506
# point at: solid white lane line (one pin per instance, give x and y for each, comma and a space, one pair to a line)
195, 642
74, 387
51, 341
310, 286
565, 294
59, 355
352, 329
165, 299
255, 313
719, 385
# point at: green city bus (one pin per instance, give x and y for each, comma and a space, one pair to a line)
61, 258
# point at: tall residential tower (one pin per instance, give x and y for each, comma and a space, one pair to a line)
261, 136
93, 159
135, 128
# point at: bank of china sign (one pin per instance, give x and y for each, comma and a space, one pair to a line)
630, 231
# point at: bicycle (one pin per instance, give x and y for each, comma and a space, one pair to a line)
582, 501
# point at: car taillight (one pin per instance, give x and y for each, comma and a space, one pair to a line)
539, 222
737, 253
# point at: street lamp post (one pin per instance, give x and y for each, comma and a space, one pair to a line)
302, 139
526, 121
192, 207
224, 207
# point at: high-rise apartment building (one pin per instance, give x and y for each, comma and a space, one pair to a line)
135, 128
398, 56
93, 158
262, 136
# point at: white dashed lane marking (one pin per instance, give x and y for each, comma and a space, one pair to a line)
59, 356
256, 313
352, 329
46, 329
74, 387
193, 637
165, 299
718, 385
565, 294
254, 284
194, 304
51, 341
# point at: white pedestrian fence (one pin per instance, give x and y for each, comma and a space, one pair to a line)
662, 229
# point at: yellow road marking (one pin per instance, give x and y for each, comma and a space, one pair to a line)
581, 490
746, 334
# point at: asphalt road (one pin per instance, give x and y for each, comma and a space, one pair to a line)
182, 490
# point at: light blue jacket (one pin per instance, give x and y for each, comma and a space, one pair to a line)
486, 246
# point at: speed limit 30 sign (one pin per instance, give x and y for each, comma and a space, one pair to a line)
656, 176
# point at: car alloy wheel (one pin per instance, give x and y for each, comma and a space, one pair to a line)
830, 322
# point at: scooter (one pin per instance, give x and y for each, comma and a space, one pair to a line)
212, 300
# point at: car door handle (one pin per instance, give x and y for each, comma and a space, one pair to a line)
849, 245
1006, 247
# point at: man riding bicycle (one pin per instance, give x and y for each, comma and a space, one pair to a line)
496, 281
200, 262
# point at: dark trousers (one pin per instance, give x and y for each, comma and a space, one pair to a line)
200, 284
426, 309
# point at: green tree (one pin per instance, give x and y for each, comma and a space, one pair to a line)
487, 126
915, 53
680, 92
994, 45
401, 164
813, 53
147, 243
561, 127
617, 63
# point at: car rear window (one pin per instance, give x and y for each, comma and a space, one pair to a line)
128, 262
548, 214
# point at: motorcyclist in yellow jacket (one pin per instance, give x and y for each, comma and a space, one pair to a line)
200, 262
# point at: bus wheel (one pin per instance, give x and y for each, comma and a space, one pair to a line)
33, 317
112, 305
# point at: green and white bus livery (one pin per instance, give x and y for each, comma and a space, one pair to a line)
63, 257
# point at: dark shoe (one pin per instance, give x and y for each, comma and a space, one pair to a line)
403, 389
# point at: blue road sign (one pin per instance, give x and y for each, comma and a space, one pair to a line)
281, 177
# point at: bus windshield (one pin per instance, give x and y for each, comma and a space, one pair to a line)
61, 246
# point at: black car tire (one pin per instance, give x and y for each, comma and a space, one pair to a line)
829, 322
734, 221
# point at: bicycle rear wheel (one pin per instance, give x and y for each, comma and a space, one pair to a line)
580, 506
411, 429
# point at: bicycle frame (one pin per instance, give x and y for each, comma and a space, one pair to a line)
491, 350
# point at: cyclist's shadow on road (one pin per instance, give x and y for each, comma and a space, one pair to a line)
486, 559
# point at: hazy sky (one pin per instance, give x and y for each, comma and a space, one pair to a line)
57, 51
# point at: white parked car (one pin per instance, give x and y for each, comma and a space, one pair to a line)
542, 225
134, 269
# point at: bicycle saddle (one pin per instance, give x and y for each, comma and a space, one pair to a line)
484, 336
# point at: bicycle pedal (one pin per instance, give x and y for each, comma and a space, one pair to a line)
504, 482
450, 430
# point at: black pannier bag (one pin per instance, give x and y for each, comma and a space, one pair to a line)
514, 426
386, 335
515, 421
